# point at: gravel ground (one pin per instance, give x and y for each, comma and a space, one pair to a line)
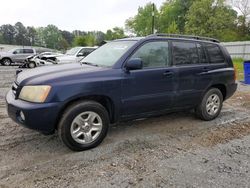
175, 150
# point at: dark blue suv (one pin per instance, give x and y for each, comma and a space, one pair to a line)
123, 80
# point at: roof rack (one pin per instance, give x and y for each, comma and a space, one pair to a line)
184, 36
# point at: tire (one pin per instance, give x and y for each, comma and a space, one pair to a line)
6, 62
78, 120
210, 106
31, 65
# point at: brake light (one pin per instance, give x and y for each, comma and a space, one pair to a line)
235, 74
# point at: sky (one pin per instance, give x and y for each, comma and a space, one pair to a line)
86, 15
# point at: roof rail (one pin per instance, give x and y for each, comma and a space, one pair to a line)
184, 36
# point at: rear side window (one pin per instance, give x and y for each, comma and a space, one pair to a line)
185, 53
153, 54
28, 51
214, 53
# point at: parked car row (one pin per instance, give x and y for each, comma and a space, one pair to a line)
30, 59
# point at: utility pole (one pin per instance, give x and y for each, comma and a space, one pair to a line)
153, 18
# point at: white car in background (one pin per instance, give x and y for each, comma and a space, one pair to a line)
75, 54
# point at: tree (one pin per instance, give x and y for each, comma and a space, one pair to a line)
174, 12
21, 37
1, 38
141, 24
115, 33
51, 35
69, 37
243, 7
8, 33
215, 19
80, 41
31, 33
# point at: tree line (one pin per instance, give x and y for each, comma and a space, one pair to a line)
224, 20
52, 37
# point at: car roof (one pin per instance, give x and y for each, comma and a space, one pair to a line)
173, 37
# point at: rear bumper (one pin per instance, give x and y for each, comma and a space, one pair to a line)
231, 88
40, 117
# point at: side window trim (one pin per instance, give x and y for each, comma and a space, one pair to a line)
172, 53
144, 43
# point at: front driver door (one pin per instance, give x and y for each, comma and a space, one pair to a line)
152, 88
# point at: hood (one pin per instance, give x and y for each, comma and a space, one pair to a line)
66, 59
47, 74
4, 53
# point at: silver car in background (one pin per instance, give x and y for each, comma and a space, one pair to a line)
17, 55
74, 55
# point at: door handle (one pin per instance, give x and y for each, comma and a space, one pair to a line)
205, 69
168, 74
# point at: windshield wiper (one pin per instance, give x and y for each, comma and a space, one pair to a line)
88, 63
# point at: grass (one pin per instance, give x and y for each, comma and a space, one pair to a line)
238, 64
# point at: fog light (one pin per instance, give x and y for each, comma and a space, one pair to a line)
22, 116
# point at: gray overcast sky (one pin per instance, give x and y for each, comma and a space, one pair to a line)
71, 14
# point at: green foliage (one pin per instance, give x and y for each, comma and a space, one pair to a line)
174, 12
238, 65
115, 33
85, 40
141, 24
215, 19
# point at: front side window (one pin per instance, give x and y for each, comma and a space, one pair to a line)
153, 54
185, 53
19, 51
214, 53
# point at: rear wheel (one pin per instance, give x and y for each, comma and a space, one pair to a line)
6, 62
211, 104
84, 125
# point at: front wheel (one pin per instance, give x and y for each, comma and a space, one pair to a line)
6, 62
211, 104
32, 65
84, 125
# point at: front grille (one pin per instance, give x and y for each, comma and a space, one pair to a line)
15, 89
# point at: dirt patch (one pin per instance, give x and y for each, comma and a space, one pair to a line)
222, 135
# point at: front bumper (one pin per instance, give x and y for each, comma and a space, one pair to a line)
41, 117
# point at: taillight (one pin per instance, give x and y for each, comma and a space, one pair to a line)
235, 74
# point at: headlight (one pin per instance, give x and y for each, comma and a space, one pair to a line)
35, 93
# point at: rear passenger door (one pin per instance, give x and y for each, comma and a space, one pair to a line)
190, 61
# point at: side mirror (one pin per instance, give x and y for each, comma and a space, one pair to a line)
134, 64
80, 54
15, 52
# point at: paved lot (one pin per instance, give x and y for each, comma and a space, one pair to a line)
175, 150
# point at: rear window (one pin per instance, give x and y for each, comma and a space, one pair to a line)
214, 53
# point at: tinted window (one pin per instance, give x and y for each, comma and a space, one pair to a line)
201, 53
28, 51
185, 53
153, 54
86, 51
214, 53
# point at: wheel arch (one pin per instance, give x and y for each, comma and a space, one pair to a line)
222, 89
105, 101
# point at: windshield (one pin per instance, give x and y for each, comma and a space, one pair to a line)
108, 54
73, 51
